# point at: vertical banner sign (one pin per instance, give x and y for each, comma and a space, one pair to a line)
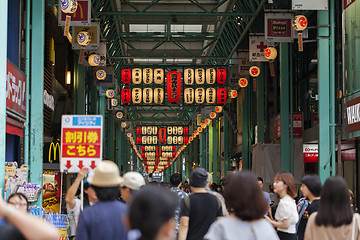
300, 42
173, 86
278, 27
81, 142
67, 25
81, 57
311, 153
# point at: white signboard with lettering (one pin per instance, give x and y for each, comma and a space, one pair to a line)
309, 4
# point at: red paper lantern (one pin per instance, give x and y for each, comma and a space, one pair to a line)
186, 130
173, 154
173, 86
221, 76
138, 130
145, 162
168, 162
158, 151
174, 148
156, 161
186, 140
126, 76
221, 95
143, 148
162, 135
138, 140
143, 154
126, 95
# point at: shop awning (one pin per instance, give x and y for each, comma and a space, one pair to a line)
14, 127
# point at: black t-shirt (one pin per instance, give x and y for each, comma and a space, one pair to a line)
9, 232
313, 207
204, 208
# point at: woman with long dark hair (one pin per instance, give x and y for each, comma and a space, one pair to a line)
286, 215
335, 216
247, 205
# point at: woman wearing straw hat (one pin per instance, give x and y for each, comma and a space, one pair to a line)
105, 219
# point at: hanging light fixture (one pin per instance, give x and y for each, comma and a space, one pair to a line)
100, 74
94, 60
300, 23
69, 6
68, 77
254, 71
83, 38
270, 53
243, 82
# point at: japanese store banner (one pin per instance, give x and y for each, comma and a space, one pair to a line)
15, 89
81, 142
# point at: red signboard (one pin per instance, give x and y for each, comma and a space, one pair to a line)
347, 3
310, 153
81, 142
81, 14
173, 86
297, 125
126, 76
15, 89
279, 27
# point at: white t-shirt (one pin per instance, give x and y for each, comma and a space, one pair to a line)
287, 210
234, 228
73, 215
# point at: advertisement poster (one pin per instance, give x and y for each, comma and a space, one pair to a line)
278, 27
51, 191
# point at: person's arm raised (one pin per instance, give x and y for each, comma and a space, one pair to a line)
69, 197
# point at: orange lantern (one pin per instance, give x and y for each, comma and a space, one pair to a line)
212, 115
125, 95
221, 95
147, 75
136, 75
210, 75
218, 109
300, 23
158, 95
233, 93
200, 129
210, 95
126, 76
189, 95
207, 121
270, 53
147, 95
189, 76
199, 95
203, 125
200, 76
173, 86
243, 82
136, 95
221, 76
254, 71
159, 75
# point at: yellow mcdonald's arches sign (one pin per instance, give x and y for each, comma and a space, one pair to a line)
80, 9
52, 149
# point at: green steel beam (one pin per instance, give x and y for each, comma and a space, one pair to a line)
199, 5
37, 89
218, 5
203, 150
150, 5
247, 127
168, 33
179, 20
227, 144
284, 106
130, 45
3, 76
156, 14
215, 150
155, 47
111, 136
211, 147
132, 5
182, 47
27, 74
325, 156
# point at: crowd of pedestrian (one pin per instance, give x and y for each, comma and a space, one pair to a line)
126, 208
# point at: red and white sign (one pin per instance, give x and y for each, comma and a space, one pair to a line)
15, 89
278, 27
81, 142
347, 3
257, 46
82, 16
297, 125
310, 153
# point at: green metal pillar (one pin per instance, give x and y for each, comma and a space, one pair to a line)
188, 162
203, 149
227, 144
37, 89
3, 76
284, 106
111, 136
215, 153
247, 127
101, 111
260, 90
211, 146
324, 96
79, 87
119, 146
27, 74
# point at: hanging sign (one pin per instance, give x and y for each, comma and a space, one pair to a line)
136, 95
189, 76
138, 130
81, 142
221, 76
147, 75
189, 95
353, 114
136, 75
199, 95
158, 95
125, 95
278, 27
221, 95
159, 76
311, 4
186, 130
311, 153
210, 75
200, 76
162, 135
147, 95
257, 46
210, 95
126, 76
173, 86
101, 55
93, 33
81, 17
